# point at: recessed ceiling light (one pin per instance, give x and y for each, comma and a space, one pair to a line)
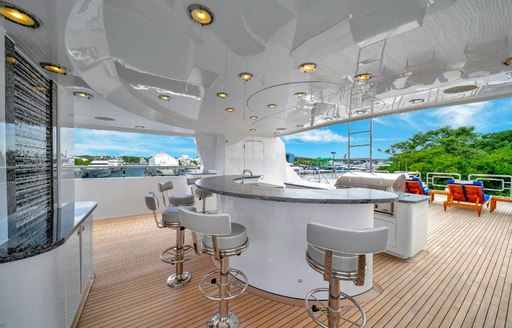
416, 101
54, 68
300, 94
363, 77
40, 88
200, 14
307, 67
300, 125
222, 95
165, 97
252, 130
460, 88
507, 62
104, 118
281, 129
140, 127
82, 94
10, 60
18, 15
277, 133
230, 109
246, 76
254, 117
272, 106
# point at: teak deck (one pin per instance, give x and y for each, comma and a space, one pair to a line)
462, 279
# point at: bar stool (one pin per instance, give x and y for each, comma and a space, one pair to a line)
221, 239
200, 193
179, 253
174, 200
339, 254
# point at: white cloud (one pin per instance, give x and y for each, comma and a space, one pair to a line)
316, 136
102, 142
461, 115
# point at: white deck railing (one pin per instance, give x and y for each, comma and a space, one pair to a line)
500, 183
439, 179
504, 180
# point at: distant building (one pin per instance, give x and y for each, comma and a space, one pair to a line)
290, 158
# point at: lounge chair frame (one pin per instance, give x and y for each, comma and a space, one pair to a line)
466, 196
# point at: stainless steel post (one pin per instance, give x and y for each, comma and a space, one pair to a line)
180, 241
333, 315
223, 284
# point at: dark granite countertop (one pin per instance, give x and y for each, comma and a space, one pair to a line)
411, 198
224, 185
49, 235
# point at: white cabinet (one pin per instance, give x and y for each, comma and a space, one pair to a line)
72, 267
407, 234
51, 285
87, 264
79, 266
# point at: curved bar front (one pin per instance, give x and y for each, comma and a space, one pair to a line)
276, 220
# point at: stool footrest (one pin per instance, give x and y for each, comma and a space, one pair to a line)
175, 280
171, 255
317, 306
211, 289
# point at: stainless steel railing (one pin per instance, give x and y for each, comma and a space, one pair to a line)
496, 182
83, 171
503, 181
439, 179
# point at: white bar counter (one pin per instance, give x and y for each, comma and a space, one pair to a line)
276, 220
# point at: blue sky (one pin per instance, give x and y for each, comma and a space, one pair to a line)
112, 143
489, 116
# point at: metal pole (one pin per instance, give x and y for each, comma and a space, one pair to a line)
180, 241
223, 285
348, 141
371, 143
333, 315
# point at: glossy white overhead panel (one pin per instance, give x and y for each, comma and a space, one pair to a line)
131, 51
372, 21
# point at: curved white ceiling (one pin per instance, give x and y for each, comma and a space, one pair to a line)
131, 51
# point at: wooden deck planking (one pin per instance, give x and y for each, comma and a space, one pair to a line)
462, 279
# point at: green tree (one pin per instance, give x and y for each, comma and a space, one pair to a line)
460, 150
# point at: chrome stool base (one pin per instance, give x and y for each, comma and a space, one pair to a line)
235, 284
231, 321
175, 280
319, 310
171, 255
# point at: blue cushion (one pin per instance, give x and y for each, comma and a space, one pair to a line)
475, 183
425, 190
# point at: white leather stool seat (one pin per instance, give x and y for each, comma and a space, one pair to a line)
181, 199
171, 215
237, 238
340, 262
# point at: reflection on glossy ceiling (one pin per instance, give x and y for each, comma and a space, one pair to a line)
316, 62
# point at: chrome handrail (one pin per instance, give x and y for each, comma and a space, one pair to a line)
432, 176
91, 171
506, 181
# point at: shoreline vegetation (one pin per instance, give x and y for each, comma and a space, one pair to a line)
461, 150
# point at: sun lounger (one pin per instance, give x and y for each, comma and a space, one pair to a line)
467, 195
415, 186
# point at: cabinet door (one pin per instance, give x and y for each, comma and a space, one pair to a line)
73, 293
87, 262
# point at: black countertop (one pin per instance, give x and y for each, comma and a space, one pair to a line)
65, 221
224, 185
